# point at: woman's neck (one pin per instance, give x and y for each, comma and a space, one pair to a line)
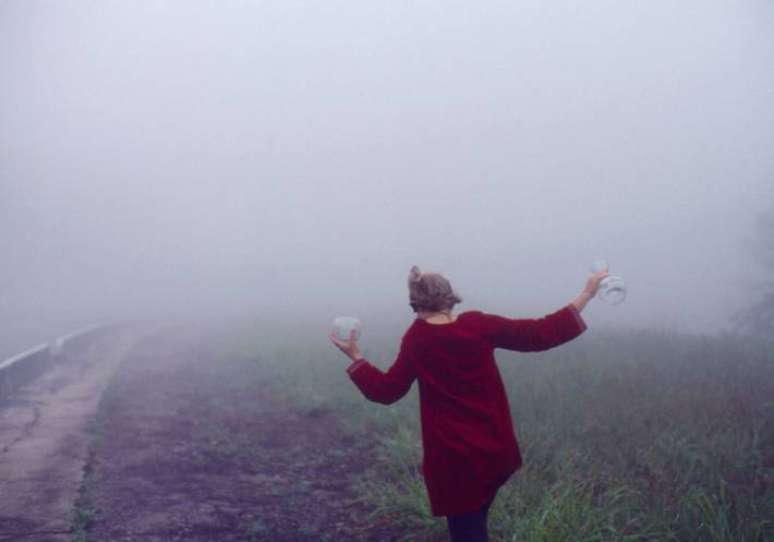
437, 317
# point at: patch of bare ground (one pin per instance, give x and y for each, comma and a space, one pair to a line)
189, 449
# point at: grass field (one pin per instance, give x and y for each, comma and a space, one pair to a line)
629, 435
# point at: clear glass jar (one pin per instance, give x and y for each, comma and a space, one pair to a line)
612, 289
344, 325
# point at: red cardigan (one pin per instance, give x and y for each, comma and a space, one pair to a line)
467, 434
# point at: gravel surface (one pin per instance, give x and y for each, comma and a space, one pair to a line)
186, 448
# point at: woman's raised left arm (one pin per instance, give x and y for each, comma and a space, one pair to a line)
588, 293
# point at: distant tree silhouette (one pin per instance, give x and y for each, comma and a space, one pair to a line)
759, 318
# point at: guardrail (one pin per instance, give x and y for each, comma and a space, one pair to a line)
22, 368
72, 341
27, 366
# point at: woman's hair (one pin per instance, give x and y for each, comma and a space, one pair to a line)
430, 292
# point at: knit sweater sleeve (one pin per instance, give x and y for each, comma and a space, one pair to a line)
532, 335
381, 387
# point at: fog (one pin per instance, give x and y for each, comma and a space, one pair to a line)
292, 160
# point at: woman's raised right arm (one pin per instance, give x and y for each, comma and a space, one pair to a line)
375, 385
380, 387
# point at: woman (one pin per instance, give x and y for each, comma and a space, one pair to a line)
469, 445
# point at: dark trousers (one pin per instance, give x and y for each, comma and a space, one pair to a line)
470, 527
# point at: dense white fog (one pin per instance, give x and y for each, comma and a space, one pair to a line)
294, 159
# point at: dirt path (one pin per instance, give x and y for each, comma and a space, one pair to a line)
44, 441
188, 449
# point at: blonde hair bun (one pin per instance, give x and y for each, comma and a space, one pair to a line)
414, 275
430, 291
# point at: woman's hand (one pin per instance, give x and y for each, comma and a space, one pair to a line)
592, 284
350, 347
590, 290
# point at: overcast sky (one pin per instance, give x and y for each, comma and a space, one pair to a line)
290, 157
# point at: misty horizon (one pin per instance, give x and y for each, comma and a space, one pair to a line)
295, 160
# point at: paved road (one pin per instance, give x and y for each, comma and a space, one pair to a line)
44, 441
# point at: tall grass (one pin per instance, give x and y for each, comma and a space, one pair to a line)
626, 436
